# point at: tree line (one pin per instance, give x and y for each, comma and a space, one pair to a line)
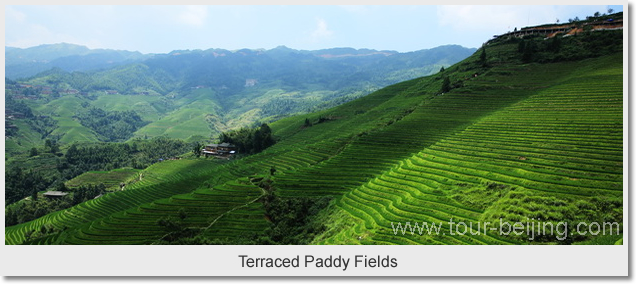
37, 206
587, 44
249, 140
112, 126
23, 180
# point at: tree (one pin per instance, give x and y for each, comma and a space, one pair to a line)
554, 45
51, 146
528, 51
441, 70
196, 149
597, 14
170, 223
445, 85
610, 10
307, 122
47, 145
263, 138
61, 187
482, 57
249, 140
33, 152
522, 45
182, 213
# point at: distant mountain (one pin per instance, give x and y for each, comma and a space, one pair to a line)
26, 62
194, 93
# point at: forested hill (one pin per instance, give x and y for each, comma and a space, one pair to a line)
192, 93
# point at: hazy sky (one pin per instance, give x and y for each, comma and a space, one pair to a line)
161, 29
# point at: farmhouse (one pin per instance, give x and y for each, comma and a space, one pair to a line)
223, 150
250, 82
55, 194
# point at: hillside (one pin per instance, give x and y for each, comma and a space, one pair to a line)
189, 94
509, 134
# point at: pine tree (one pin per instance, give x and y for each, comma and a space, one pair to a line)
445, 85
528, 52
482, 57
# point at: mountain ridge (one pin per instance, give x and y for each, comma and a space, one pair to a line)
242, 87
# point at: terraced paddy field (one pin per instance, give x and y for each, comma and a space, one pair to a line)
509, 143
161, 180
204, 209
554, 156
205, 189
111, 179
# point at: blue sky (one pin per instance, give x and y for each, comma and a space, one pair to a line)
161, 29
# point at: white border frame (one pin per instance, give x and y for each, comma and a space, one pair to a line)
523, 260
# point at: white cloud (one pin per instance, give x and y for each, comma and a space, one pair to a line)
321, 32
25, 30
14, 15
479, 17
34, 34
194, 15
505, 18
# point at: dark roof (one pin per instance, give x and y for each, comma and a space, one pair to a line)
224, 144
55, 193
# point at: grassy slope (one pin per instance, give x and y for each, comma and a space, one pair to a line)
142, 104
188, 119
69, 130
554, 156
398, 154
111, 179
25, 139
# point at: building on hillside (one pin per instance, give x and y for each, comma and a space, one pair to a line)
567, 29
250, 82
223, 150
55, 194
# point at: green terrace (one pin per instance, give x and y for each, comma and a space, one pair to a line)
509, 141
536, 149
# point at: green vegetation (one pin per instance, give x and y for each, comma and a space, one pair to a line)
554, 156
511, 139
49, 170
37, 206
20, 184
112, 180
249, 140
112, 126
558, 48
187, 94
